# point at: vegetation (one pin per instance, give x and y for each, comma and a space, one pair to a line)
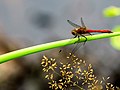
76, 74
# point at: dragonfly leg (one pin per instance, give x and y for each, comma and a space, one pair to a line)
78, 38
90, 34
75, 36
85, 39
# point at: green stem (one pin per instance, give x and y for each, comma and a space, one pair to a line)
51, 45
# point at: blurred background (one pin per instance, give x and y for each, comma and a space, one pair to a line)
25, 23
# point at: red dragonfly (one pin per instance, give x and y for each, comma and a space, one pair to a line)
81, 30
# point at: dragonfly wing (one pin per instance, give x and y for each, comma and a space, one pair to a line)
73, 24
83, 25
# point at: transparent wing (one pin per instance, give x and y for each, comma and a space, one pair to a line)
83, 25
73, 24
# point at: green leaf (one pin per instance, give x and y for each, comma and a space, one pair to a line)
111, 11
115, 41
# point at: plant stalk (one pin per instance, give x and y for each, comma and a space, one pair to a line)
42, 47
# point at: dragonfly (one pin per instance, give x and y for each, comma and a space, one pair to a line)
82, 30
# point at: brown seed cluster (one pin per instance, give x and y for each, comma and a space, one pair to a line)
75, 75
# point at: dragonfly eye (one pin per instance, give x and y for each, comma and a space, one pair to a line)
74, 32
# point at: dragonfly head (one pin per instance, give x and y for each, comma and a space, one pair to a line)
74, 32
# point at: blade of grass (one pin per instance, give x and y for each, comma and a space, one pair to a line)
51, 45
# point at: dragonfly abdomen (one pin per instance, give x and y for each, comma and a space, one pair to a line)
99, 31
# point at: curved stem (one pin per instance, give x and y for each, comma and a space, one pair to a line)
51, 45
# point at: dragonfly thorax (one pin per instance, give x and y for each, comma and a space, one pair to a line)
81, 30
